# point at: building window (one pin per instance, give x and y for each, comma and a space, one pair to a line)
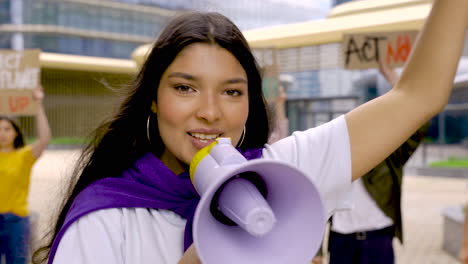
5, 17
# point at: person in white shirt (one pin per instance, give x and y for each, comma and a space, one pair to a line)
463, 255
365, 233
132, 198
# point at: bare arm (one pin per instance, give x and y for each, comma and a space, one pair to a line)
389, 73
43, 129
378, 127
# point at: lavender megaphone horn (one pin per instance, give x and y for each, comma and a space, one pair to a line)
250, 211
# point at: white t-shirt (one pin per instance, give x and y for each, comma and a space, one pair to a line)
141, 235
364, 216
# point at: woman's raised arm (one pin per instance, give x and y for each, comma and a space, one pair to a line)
43, 128
378, 127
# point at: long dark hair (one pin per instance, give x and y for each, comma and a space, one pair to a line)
119, 142
18, 142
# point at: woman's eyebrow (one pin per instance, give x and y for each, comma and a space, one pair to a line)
193, 78
182, 75
236, 80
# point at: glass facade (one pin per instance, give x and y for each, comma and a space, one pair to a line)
337, 2
79, 45
5, 41
99, 28
5, 12
114, 28
90, 17
317, 71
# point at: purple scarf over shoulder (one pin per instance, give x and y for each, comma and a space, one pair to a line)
147, 184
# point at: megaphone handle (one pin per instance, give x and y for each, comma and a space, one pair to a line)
251, 176
241, 202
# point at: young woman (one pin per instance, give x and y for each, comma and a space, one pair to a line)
133, 202
16, 162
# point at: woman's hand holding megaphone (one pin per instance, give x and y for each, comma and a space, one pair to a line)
190, 256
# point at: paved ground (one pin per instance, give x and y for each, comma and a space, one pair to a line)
424, 198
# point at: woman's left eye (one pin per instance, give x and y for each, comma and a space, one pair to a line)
233, 92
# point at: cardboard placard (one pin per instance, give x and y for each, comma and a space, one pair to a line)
363, 51
19, 76
17, 102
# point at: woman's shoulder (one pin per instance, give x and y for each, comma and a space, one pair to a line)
117, 216
27, 154
120, 232
24, 150
330, 136
117, 220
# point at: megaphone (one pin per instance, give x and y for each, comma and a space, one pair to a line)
257, 211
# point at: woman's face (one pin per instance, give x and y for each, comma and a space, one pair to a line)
7, 134
202, 95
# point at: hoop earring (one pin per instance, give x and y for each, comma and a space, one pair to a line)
242, 138
147, 128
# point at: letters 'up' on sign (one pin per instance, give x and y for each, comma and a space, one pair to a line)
363, 51
19, 75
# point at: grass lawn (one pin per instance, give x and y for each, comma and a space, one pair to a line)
62, 141
451, 163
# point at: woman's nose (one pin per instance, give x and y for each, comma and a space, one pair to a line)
209, 108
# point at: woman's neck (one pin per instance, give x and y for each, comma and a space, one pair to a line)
173, 163
6, 149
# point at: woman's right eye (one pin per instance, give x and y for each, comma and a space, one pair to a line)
183, 88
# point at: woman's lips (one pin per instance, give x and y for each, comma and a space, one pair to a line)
200, 143
201, 140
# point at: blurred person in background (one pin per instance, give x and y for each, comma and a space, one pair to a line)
365, 233
280, 120
16, 162
464, 245
376, 217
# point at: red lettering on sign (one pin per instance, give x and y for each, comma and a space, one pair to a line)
18, 103
402, 50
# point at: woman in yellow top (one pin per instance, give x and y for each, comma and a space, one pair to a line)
16, 161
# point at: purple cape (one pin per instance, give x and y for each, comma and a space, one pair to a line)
149, 183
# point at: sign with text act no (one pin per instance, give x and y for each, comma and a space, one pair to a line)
363, 51
19, 76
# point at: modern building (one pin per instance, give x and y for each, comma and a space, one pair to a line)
338, 2
114, 28
311, 52
107, 28
250, 14
86, 47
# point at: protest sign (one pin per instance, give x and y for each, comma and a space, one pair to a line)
19, 76
363, 51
